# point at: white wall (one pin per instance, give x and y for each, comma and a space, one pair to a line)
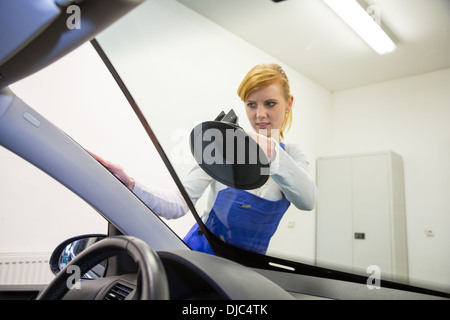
409, 116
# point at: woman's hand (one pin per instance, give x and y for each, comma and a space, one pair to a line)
117, 170
267, 144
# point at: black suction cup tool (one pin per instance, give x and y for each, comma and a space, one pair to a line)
229, 155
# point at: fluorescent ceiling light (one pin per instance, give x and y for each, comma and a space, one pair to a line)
363, 24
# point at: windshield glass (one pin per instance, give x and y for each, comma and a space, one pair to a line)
342, 169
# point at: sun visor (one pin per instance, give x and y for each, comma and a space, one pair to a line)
228, 154
24, 21
35, 33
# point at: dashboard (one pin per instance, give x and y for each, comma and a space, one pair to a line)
191, 276
197, 276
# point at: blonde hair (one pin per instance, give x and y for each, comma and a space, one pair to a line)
261, 76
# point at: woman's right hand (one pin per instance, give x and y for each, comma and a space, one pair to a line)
115, 169
266, 144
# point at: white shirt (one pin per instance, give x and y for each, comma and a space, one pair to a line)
288, 174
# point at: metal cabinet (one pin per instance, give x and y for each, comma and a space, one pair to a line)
361, 214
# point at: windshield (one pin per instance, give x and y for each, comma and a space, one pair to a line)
356, 168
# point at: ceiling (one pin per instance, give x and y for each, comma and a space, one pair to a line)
307, 36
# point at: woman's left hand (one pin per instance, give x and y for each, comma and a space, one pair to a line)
115, 169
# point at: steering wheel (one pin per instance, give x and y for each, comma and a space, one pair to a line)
153, 280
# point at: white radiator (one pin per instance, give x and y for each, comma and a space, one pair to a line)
25, 268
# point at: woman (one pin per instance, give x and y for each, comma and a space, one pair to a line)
244, 218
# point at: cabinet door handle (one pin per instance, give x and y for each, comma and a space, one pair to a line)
360, 235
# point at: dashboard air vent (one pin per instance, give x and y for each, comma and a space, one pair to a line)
118, 292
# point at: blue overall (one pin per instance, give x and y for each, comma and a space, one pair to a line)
240, 218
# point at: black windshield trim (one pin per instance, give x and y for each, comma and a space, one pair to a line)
148, 130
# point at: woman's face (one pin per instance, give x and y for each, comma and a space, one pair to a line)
266, 109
